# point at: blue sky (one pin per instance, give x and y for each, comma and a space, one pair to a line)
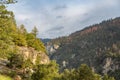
55, 18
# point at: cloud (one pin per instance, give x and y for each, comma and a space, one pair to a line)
60, 7
103, 10
59, 17
56, 28
55, 18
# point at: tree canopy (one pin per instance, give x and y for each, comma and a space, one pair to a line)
7, 1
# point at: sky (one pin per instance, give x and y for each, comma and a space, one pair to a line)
55, 18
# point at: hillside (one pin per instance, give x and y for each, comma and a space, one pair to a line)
20, 51
97, 46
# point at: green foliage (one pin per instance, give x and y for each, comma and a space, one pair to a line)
68, 75
50, 72
16, 61
12, 39
106, 77
34, 42
22, 29
7, 1
39, 45
27, 63
12, 73
82, 73
30, 39
19, 39
11, 36
3, 77
85, 73
46, 72
6, 46
115, 73
7, 26
35, 31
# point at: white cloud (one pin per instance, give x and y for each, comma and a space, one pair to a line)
72, 15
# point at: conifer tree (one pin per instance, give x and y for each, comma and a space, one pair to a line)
35, 31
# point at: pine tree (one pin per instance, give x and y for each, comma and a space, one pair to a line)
7, 1
35, 31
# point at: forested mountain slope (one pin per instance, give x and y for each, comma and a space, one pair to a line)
97, 46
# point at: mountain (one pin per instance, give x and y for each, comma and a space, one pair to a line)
97, 46
23, 56
45, 40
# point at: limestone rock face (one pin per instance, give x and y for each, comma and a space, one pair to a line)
51, 48
107, 65
110, 64
32, 54
44, 59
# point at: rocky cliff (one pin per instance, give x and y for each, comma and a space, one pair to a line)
32, 54
27, 53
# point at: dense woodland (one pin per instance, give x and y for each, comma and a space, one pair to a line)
97, 46
13, 37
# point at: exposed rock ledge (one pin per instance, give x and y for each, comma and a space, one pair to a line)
32, 54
